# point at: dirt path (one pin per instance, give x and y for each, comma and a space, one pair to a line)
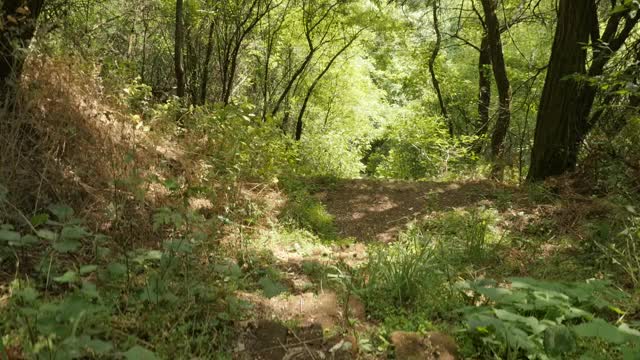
371, 210
318, 320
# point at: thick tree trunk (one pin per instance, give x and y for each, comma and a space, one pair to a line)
561, 111
503, 85
178, 54
18, 24
432, 71
484, 87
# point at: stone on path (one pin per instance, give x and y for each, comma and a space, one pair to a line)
432, 346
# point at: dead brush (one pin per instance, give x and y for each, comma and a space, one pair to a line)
65, 142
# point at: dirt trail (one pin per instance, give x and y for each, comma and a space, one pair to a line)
366, 210
372, 210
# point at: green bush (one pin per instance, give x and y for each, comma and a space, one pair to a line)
419, 148
306, 212
401, 279
547, 320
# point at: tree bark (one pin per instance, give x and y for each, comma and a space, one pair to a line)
484, 87
555, 148
564, 118
204, 81
503, 85
18, 24
178, 54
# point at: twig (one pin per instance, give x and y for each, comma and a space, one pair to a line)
303, 344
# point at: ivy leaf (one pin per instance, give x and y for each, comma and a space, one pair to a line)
139, 353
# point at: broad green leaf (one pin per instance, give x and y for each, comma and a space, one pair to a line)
559, 340
98, 347
66, 246
26, 240
179, 246
68, 277
625, 328
73, 233
90, 290
271, 288
531, 322
9, 236
88, 269
62, 212
47, 235
39, 219
117, 270
600, 329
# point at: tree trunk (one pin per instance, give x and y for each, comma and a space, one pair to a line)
179, 45
18, 27
326, 69
204, 81
556, 140
484, 88
503, 85
432, 71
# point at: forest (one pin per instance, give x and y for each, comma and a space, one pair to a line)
319, 179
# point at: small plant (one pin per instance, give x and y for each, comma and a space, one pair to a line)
546, 320
307, 212
400, 278
624, 250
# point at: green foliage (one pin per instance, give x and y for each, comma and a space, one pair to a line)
539, 319
623, 250
243, 146
418, 148
86, 289
403, 279
306, 212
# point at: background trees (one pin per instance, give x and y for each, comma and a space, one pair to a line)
293, 59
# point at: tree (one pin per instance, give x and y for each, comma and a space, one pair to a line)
502, 83
567, 99
326, 69
179, 46
432, 71
17, 27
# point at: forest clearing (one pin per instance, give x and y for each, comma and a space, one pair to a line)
319, 179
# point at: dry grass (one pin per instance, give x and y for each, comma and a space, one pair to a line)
68, 142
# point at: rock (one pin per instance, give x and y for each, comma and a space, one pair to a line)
432, 346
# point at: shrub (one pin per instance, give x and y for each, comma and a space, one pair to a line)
537, 319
